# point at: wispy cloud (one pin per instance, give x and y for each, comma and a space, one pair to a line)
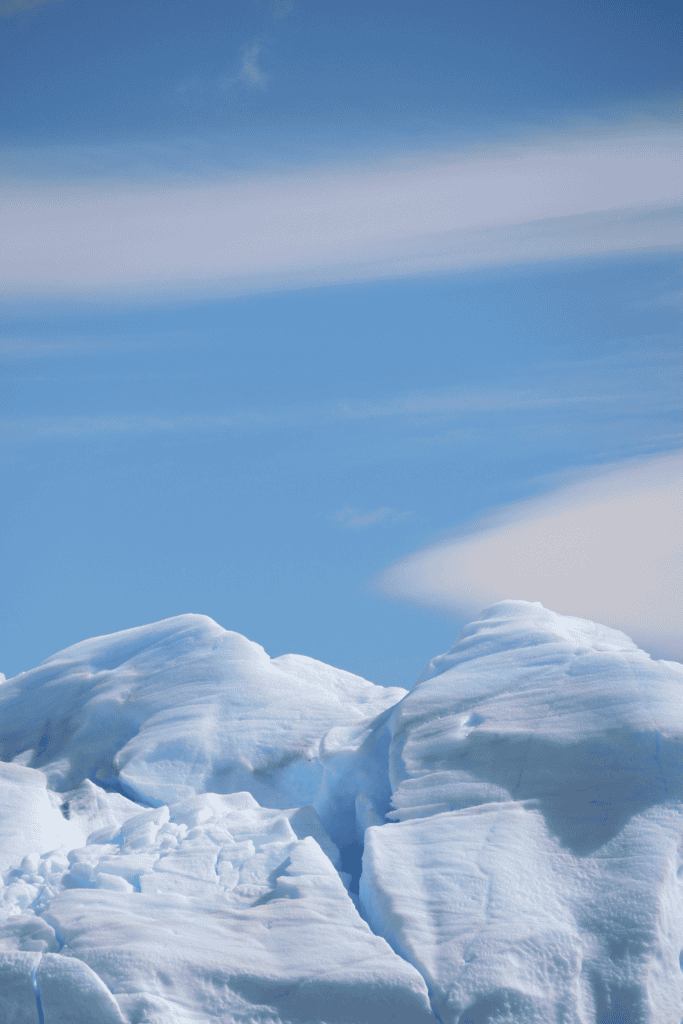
355, 519
641, 382
11, 7
280, 9
403, 407
250, 73
606, 546
17, 349
566, 198
62, 427
671, 298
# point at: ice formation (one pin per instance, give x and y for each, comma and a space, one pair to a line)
182, 820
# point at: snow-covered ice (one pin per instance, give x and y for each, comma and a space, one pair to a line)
182, 817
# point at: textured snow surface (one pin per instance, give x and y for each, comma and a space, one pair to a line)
182, 818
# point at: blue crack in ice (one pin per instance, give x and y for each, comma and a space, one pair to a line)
39, 1005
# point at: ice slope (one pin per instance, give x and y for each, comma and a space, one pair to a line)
531, 867
521, 813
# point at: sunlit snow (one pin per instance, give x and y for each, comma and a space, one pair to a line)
182, 820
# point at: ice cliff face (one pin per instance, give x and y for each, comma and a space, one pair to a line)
182, 819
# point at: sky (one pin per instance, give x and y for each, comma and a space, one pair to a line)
337, 322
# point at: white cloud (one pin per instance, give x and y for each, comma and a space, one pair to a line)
566, 198
354, 519
607, 547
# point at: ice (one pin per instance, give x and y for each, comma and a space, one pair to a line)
530, 704
182, 820
530, 867
30, 822
71, 993
163, 712
294, 948
17, 995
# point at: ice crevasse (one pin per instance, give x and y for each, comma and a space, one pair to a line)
182, 820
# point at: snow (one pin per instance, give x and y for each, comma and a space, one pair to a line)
182, 820
181, 707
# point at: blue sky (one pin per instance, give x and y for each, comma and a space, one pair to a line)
295, 291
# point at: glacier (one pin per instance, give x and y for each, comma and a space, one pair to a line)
192, 832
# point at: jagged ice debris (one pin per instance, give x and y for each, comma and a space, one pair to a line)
182, 820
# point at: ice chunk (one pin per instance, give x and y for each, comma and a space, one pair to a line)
300, 954
28, 821
17, 994
70, 993
94, 809
495, 913
472, 899
305, 822
28, 933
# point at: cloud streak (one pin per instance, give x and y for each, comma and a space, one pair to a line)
640, 383
566, 198
440, 408
8, 8
608, 546
354, 519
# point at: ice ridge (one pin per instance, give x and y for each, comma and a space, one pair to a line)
182, 821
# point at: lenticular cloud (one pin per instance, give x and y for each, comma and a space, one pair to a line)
609, 546
182, 821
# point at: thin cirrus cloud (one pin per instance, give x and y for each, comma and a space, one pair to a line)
442, 408
563, 198
561, 387
355, 519
608, 547
639, 382
11, 7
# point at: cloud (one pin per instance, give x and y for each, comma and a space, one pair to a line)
249, 74
57, 428
11, 7
638, 385
671, 298
354, 519
18, 349
608, 546
280, 8
425, 214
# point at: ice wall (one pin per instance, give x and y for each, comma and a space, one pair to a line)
177, 811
